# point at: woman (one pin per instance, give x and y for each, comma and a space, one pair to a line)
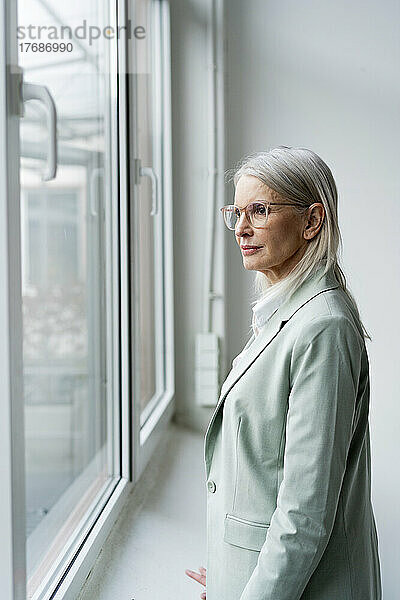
287, 451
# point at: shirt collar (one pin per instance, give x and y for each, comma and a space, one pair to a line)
263, 310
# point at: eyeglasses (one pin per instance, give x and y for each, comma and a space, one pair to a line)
256, 213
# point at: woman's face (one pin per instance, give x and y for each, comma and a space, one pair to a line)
283, 241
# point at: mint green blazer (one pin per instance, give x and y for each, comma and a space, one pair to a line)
287, 460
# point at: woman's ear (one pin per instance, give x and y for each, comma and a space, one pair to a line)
314, 219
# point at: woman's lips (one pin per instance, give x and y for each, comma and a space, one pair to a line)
247, 250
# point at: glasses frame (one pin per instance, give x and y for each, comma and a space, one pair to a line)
246, 208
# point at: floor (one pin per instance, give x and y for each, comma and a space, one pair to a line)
161, 530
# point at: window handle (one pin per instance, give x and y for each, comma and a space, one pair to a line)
148, 172
95, 174
33, 91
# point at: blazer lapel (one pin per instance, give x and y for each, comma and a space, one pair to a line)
253, 349
311, 287
266, 335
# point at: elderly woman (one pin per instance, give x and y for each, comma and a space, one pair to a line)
287, 450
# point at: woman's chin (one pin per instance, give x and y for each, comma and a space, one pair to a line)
252, 264
249, 267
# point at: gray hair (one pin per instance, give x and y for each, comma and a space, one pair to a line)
302, 177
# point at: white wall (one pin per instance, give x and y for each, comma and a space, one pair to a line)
189, 30
323, 75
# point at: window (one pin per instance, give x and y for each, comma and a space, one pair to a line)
70, 325
86, 307
151, 224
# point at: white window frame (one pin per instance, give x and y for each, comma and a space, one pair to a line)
12, 502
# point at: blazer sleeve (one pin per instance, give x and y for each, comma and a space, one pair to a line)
325, 371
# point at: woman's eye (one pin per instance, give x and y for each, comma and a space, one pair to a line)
259, 209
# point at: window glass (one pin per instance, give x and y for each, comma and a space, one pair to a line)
149, 227
66, 280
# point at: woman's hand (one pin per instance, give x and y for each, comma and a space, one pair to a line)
200, 577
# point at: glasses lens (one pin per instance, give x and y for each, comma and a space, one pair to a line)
258, 214
230, 216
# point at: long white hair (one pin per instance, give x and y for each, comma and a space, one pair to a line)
300, 176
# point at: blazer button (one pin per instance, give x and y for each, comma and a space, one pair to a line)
211, 486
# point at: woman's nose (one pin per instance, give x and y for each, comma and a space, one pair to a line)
243, 225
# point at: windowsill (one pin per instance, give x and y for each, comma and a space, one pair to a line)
161, 530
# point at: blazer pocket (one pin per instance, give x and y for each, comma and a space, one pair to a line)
243, 533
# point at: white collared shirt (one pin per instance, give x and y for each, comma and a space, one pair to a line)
262, 312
